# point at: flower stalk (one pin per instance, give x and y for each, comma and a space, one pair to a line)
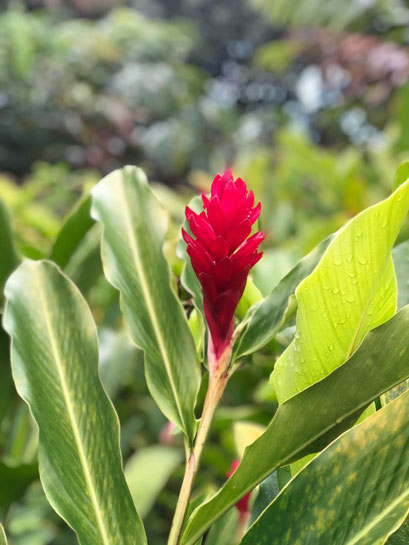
222, 255
217, 383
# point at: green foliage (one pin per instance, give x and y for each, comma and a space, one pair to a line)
355, 492
134, 230
350, 292
311, 419
54, 359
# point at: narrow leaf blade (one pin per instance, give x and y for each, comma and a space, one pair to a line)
55, 368
134, 230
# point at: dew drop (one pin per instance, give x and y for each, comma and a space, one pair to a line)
350, 299
335, 291
331, 347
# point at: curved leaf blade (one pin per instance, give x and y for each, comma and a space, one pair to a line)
308, 421
351, 291
355, 492
264, 319
134, 230
75, 227
55, 368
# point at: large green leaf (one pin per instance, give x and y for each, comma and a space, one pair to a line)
351, 291
264, 319
55, 368
9, 259
356, 492
307, 422
134, 230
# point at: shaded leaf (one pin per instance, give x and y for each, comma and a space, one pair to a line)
307, 422
9, 258
134, 230
55, 368
355, 492
75, 226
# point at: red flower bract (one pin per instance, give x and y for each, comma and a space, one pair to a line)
222, 254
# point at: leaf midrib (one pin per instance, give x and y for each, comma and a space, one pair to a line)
149, 301
352, 347
72, 419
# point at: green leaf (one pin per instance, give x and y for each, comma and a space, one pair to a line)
307, 422
356, 492
3, 538
350, 292
76, 225
400, 256
14, 481
9, 258
147, 472
134, 230
263, 320
55, 368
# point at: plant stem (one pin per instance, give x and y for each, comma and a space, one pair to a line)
217, 384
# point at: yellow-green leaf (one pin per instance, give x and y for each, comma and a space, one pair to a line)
351, 291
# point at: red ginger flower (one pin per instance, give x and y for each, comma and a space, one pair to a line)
221, 254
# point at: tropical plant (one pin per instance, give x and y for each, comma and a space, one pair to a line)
329, 466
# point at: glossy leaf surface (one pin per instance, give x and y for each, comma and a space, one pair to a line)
307, 422
356, 492
134, 230
351, 291
55, 368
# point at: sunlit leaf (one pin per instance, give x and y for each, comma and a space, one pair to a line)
350, 292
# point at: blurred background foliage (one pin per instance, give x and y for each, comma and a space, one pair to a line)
307, 101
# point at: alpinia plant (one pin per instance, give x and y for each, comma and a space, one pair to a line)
348, 347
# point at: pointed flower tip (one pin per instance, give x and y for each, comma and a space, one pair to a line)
222, 254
